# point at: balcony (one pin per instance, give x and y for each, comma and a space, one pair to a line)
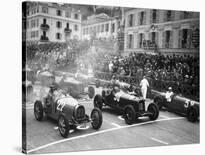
44, 39
44, 27
67, 30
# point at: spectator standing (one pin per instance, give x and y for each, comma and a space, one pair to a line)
144, 84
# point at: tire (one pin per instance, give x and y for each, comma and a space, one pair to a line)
192, 115
91, 92
63, 126
98, 102
38, 110
129, 114
153, 108
97, 83
159, 103
96, 117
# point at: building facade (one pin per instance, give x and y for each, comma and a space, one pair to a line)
164, 31
52, 22
100, 26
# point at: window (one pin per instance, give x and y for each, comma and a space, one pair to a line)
140, 40
58, 12
36, 33
102, 28
76, 16
58, 24
37, 22
67, 25
98, 28
141, 18
44, 20
184, 38
130, 24
107, 27
153, 36
44, 10
58, 36
113, 27
130, 41
154, 16
76, 27
67, 14
44, 33
37, 9
167, 39
186, 14
169, 15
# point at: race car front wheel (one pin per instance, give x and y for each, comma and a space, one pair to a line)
38, 110
96, 117
129, 114
154, 110
63, 126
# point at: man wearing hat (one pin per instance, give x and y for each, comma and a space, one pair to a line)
169, 95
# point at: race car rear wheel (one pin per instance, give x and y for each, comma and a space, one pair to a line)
192, 115
91, 91
98, 102
38, 110
129, 114
96, 117
153, 108
63, 126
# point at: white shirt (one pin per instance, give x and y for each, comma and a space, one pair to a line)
168, 96
144, 83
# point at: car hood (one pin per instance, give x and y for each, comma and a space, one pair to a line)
68, 100
123, 95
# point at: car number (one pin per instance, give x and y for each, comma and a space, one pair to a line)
60, 105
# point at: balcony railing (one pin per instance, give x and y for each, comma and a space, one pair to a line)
44, 26
44, 38
67, 30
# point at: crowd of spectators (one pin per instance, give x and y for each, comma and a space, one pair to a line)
181, 71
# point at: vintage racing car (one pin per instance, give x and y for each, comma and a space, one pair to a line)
178, 104
76, 87
131, 106
59, 105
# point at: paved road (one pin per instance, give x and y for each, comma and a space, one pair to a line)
169, 129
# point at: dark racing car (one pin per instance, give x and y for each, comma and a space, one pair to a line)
60, 106
131, 106
178, 104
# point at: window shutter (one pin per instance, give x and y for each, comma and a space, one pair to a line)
172, 15
189, 38
157, 39
157, 16
163, 39
138, 23
180, 39
133, 19
151, 20
171, 40
144, 21
165, 16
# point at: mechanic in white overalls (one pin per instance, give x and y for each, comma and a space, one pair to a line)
144, 84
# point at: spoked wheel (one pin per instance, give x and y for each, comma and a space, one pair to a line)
91, 92
38, 110
96, 117
192, 115
129, 114
63, 126
154, 110
98, 102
